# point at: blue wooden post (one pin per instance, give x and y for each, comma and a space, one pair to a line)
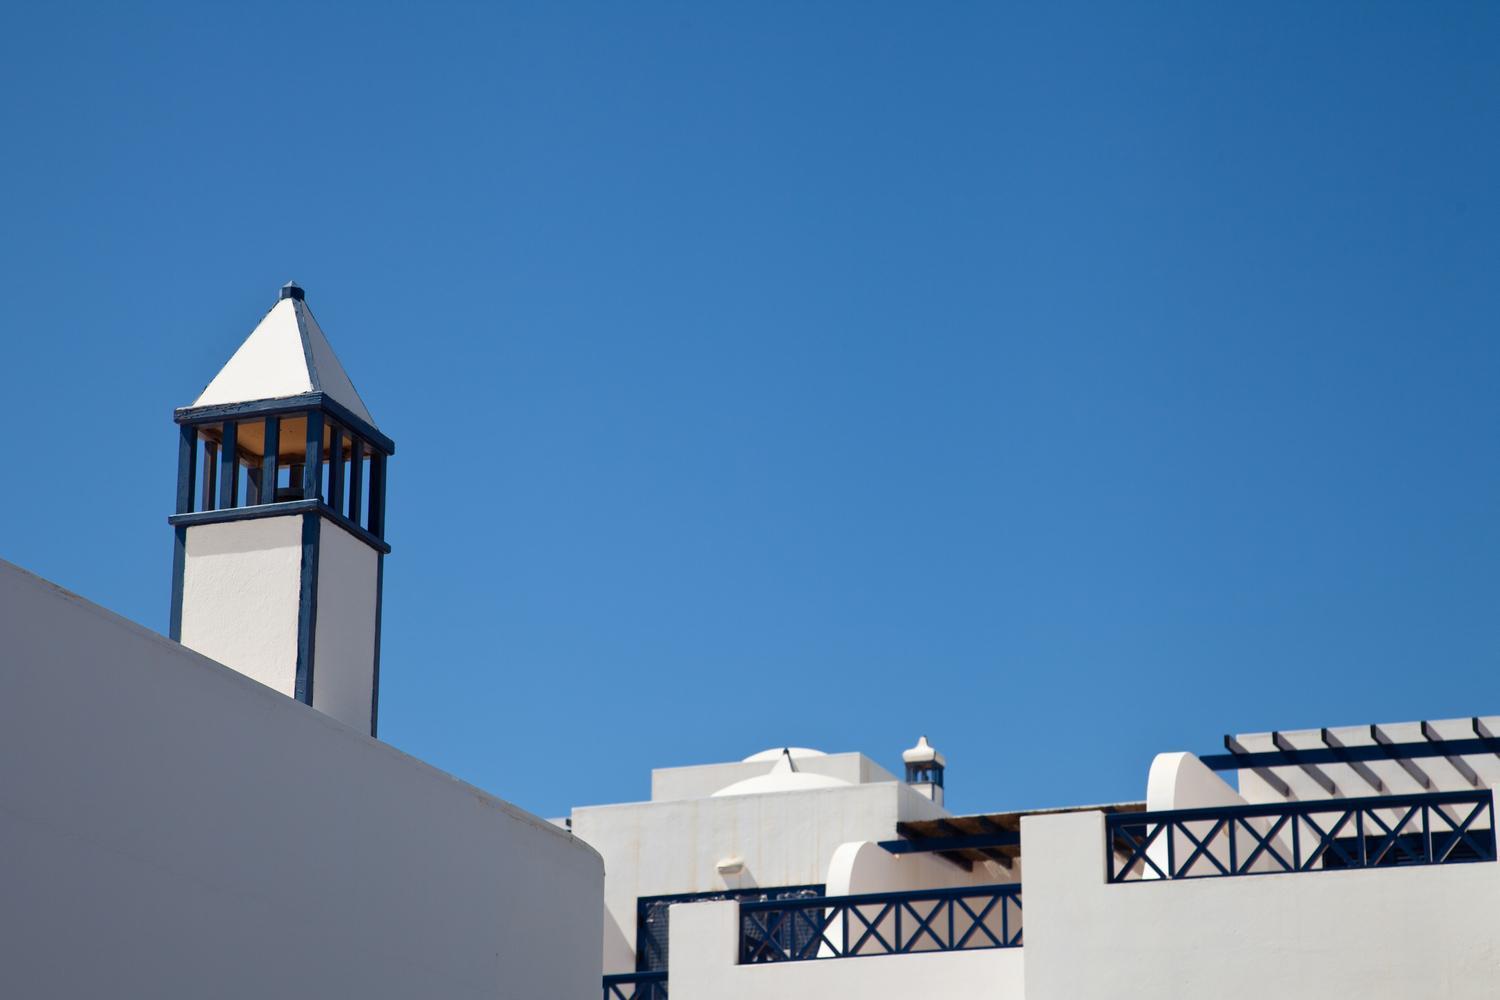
229, 470
312, 468
187, 466
376, 526
336, 468
356, 479
269, 469
210, 475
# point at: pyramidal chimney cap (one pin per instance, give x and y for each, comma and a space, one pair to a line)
292, 290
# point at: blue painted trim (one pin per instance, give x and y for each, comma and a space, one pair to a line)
269, 471
366, 430
288, 405
187, 467
1347, 754
1134, 834
210, 472
307, 608
376, 523
1296, 808
356, 478
280, 510
375, 677
799, 930
635, 977
312, 462
975, 842
307, 354
229, 466
914, 895
179, 571
335, 466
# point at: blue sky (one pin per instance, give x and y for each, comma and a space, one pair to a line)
1065, 382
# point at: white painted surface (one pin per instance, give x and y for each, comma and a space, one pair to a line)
783, 838
172, 829
773, 754
1344, 935
328, 373
704, 952
240, 596
699, 780
272, 363
861, 867
783, 777
344, 648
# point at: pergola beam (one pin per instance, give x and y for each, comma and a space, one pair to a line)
1362, 769
1379, 736
1233, 746
1311, 770
1459, 764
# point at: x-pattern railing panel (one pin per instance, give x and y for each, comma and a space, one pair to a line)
960, 919
1433, 829
636, 986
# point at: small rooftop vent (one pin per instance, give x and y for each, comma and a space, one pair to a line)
924, 770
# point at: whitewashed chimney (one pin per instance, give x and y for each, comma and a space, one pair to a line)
280, 523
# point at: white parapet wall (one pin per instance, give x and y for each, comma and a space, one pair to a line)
171, 828
779, 839
1421, 931
705, 941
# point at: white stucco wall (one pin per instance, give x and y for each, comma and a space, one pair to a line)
172, 829
240, 596
704, 966
1339, 935
344, 647
785, 838
861, 867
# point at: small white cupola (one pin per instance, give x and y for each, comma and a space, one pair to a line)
924, 770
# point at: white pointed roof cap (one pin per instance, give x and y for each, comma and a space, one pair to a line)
923, 753
287, 354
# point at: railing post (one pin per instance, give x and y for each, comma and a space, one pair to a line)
1427, 833
1359, 832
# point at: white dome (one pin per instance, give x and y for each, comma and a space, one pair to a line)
776, 752
781, 778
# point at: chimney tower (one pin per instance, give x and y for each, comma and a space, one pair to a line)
280, 548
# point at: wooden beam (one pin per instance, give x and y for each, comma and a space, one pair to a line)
1416, 772
1459, 764
1360, 767
1282, 788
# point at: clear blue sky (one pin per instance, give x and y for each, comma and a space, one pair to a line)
1067, 383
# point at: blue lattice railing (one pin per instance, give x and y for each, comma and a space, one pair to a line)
984, 916
1384, 831
636, 986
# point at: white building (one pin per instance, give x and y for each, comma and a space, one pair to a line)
173, 823
214, 817
1352, 862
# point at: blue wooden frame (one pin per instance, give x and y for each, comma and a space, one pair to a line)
636, 986
288, 405
1343, 833
220, 501
890, 923
651, 944
1348, 754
